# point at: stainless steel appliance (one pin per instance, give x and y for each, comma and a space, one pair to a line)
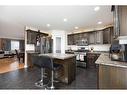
118, 52
81, 58
45, 45
83, 42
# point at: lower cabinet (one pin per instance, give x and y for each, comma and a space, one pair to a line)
111, 77
91, 58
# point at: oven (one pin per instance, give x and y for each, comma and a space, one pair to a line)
81, 59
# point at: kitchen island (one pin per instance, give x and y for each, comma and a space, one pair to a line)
29, 56
69, 65
111, 74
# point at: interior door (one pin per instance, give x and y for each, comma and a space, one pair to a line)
58, 44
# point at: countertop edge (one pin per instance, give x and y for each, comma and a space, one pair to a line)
102, 61
58, 57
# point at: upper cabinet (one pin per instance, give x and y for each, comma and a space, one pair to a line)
33, 36
75, 39
104, 36
123, 20
70, 39
79, 39
107, 36
99, 37
82, 39
91, 37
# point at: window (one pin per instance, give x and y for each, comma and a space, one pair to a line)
14, 45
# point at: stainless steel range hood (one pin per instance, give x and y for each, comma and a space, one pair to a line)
120, 17
115, 11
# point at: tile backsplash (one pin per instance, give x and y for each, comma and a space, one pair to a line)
104, 47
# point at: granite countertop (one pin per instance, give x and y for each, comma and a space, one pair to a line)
32, 52
72, 51
105, 60
58, 55
95, 52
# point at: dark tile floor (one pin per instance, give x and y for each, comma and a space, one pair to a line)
25, 79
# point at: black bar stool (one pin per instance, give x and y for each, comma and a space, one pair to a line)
49, 64
37, 62
45, 62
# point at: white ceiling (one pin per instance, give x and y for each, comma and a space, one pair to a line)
13, 19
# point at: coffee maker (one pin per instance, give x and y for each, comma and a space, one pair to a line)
118, 52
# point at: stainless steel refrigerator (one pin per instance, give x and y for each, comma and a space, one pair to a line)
44, 45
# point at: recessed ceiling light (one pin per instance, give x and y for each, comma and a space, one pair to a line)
65, 20
48, 25
99, 22
97, 8
76, 27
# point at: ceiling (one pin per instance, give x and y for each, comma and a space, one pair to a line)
13, 19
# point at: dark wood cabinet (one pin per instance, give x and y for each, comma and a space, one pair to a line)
99, 37
108, 35
91, 38
75, 39
91, 58
31, 37
83, 39
104, 36
111, 77
70, 39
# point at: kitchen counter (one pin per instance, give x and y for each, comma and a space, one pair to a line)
111, 74
30, 52
29, 58
105, 60
68, 63
58, 55
98, 52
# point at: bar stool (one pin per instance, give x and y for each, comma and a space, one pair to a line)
37, 62
48, 64
45, 62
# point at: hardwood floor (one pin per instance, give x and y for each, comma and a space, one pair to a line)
10, 64
26, 78
14, 76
